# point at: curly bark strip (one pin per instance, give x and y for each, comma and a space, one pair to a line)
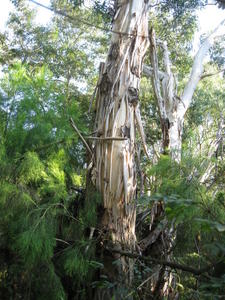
125, 177
156, 77
141, 129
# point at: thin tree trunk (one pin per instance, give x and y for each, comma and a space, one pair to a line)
173, 108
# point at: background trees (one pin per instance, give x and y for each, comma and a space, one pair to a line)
49, 233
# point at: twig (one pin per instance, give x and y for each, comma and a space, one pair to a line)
49, 145
60, 240
145, 281
80, 135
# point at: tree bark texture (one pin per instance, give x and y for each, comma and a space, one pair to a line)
164, 85
117, 114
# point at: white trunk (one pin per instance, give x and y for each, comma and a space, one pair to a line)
196, 72
175, 139
164, 85
171, 107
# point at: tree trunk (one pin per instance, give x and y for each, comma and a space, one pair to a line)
173, 108
117, 112
171, 137
164, 85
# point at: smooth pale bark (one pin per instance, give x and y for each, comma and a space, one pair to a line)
117, 114
172, 108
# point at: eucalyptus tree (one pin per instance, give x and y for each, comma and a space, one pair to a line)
172, 108
49, 223
117, 115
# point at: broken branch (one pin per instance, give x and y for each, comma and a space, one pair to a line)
80, 135
165, 263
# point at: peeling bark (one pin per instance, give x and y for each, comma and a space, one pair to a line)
173, 108
164, 86
117, 113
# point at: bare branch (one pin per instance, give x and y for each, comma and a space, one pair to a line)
80, 135
211, 74
101, 69
49, 145
165, 263
197, 70
92, 98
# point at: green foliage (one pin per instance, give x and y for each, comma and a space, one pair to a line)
44, 221
198, 213
48, 75
172, 186
31, 170
36, 242
76, 264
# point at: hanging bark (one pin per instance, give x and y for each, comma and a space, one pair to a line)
166, 100
172, 108
117, 113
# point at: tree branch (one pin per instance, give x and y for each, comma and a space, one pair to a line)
211, 74
80, 135
168, 83
165, 263
49, 145
197, 70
